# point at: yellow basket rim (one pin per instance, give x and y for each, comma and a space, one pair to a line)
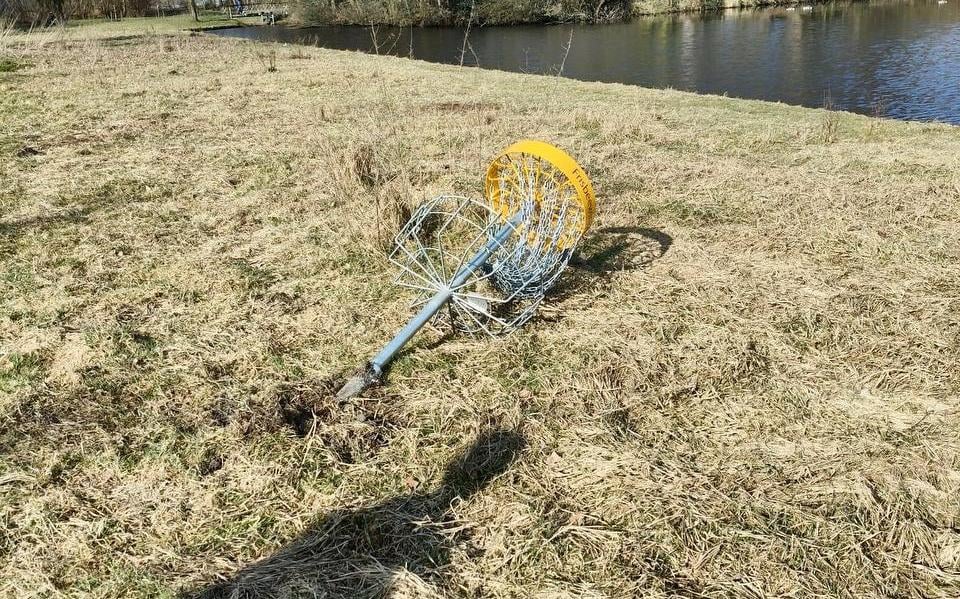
560, 160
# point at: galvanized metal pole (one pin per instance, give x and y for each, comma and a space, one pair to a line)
378, 363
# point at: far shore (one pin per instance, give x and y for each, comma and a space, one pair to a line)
380, 14
299, 15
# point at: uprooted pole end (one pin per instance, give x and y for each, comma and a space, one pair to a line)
357, 383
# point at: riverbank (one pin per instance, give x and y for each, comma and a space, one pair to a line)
746, 384
893, 59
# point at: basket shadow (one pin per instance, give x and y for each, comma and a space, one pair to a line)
609, 250
357, 552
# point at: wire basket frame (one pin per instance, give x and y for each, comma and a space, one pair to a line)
551, 220
436, 244
535, 214
484, 267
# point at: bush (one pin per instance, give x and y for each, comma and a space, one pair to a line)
496, 12
365, 12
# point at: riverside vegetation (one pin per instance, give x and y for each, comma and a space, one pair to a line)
498, 12
387, 12
746, 384
449, 12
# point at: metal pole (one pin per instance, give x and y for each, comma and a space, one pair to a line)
374, 370
379, 362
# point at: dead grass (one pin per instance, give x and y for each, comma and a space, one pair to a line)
746, 385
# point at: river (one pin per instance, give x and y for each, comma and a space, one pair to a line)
896, 59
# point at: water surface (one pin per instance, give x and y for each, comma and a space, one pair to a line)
899, 59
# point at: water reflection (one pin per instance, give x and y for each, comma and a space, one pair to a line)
900, 58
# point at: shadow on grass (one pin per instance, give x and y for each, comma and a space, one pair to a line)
356, 553
610, 250
621, 248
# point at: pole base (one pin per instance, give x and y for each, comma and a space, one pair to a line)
357, 383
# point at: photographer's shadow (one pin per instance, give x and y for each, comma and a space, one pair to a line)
356, 553
610, 250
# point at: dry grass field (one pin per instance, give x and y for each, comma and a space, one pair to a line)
745, 386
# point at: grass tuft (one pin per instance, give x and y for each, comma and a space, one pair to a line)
9, 65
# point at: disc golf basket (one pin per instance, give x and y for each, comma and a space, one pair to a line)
484, 266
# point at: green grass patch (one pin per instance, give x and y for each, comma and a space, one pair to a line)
9, 65
20, 369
